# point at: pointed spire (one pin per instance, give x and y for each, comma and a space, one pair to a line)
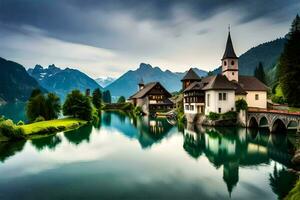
229, 51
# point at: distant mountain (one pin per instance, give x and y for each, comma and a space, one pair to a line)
268, 53
62, 81
15, 82
104, 82
126, 85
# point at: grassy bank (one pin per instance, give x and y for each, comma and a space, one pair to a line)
51, 126
11, 131
294, 194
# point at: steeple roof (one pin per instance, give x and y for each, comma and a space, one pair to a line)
191, 75
229, 51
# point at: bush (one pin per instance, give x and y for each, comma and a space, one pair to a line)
213, 116
121, 99
229, 115
128, 107
278, 99
10, 130
39, 119
241, 104
138, 110
20, 123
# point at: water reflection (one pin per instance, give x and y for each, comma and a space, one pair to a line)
8, 149
49, 142
79, 135
154, 156
235, 148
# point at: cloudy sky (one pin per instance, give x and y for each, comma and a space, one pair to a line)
108, 37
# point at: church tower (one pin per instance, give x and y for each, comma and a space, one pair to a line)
230, 65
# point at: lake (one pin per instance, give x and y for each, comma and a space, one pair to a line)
127, 158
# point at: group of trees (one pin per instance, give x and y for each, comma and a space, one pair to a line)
289, 66
48, 106
43, 106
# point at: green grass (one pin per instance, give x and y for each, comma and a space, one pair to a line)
294, 194
51, 126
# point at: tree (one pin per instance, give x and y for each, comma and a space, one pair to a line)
78, 105
106, 96
97, 98
47, 106
289, 66
259, 73
36, 106
53, 106
121, 99
241, 104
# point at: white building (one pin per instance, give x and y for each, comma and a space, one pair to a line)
218, 93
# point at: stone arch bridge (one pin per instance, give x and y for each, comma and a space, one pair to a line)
274, 120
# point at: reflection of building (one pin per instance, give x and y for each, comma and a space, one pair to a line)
152, 97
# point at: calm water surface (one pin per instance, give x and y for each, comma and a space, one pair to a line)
126, 158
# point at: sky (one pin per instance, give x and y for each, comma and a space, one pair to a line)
108, 37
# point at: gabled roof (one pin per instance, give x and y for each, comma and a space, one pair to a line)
146, 89
239, 90
251, 83
194, 86
229, 51
191, 75
219, 82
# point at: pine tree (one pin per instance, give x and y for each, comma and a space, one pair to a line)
97, 98
259, 73
289, 66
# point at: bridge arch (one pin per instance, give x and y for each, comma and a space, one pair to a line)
263, 122
292, 125
278, 126
253, 123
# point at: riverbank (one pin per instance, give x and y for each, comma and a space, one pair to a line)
11, 131
294, 194
52, 126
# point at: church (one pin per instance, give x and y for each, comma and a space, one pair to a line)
218, 93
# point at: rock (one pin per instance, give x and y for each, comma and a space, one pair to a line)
296, 158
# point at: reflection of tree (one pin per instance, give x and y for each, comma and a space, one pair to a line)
97, 122
79, 135
50, 142
231, 175
282, 181
8, 149
106, 118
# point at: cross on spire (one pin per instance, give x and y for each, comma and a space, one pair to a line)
228, 27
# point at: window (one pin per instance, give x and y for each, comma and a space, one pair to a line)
208, 95
224, 96
220, 110
256, 97
232, 73
191, 107
231, 109
225, 63
232, 62
220, 96
186, 107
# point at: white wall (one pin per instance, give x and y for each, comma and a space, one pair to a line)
260, 103
215, 104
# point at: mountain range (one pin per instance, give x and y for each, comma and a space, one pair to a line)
104, 82
15, 82
127, 84
62, 81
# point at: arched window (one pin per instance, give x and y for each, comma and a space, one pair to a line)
225, 63
232, 62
